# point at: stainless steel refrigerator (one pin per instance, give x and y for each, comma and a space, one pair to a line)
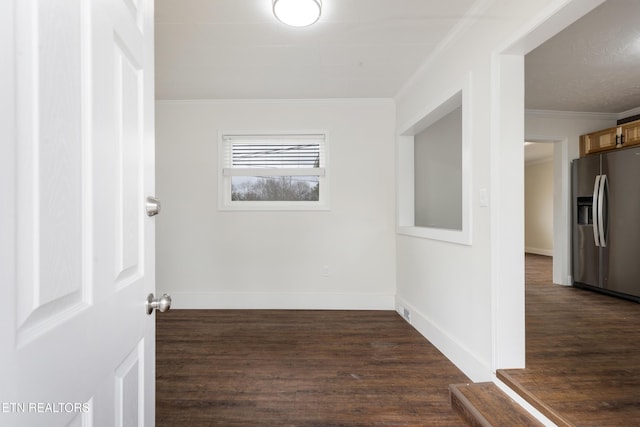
606, 222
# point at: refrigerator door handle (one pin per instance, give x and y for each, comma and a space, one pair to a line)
602, 210
596, 191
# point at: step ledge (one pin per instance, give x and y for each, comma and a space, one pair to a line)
491, 400
467, 406
515, 385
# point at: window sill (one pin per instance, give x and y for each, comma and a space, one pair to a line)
274, 206
461, 237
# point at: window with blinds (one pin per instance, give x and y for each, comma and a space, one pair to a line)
273, 171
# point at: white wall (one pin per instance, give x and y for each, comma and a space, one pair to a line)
469, 300
564, 129
207, 258
538, 207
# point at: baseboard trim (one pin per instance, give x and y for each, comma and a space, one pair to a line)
458, 354
281, 301
539, 251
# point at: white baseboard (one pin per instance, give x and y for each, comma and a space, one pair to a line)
539, 251
458, 354
281, 301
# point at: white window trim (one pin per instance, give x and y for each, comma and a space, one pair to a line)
405, 169
224, 174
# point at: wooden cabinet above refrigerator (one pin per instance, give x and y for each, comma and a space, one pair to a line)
624, 135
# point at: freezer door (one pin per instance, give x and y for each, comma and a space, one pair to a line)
586, 258
621, 256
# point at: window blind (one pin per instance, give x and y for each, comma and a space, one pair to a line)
289, 155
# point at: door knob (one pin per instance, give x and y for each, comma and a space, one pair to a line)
152, 206
161, 304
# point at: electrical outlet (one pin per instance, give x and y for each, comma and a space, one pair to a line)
484, 198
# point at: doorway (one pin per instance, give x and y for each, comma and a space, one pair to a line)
538, 205
539, 224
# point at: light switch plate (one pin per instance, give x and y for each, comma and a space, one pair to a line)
484, 198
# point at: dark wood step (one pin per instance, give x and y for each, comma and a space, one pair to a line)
485, 405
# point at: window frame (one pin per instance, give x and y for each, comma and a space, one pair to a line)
459, 95
226, 172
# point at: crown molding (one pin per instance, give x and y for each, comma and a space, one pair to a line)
629, 113
571, 114
280, 101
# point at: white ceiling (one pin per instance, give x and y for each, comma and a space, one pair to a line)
234, 49
224, 49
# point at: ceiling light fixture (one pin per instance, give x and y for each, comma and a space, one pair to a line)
297, 13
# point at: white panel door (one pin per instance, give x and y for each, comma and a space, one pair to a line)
77, 347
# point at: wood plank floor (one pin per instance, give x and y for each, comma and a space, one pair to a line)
583, 351
339, 368
299, 368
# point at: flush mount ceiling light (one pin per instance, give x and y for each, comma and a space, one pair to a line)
297, 13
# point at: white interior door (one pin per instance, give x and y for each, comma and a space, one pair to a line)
77, 346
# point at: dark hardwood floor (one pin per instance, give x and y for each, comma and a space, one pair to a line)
583, 352
299, 368
341, 368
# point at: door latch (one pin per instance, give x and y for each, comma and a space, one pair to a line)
152, 206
